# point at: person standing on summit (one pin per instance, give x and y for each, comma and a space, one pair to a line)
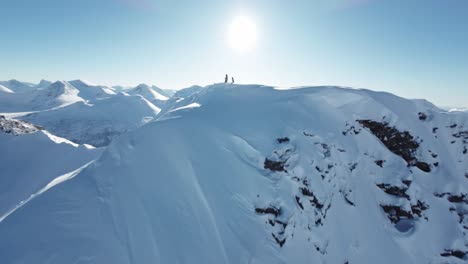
226, 79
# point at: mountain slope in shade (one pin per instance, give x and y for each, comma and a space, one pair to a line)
251, 174
31, 158
96, 123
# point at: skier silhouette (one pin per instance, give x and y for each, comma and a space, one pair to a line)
226, 79
232, 78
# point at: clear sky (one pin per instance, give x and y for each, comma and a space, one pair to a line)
413, 48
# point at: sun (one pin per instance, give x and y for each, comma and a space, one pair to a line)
242, 34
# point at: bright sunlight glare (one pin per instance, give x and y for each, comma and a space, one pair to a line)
242, 34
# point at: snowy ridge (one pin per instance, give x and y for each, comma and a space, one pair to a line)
5, 90
54, 182
259, 175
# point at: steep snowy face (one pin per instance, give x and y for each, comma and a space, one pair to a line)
91, 92
250, 174
97, 123
31, 158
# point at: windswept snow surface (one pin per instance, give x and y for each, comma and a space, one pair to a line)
259, 175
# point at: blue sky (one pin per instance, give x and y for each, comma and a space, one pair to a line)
413, 48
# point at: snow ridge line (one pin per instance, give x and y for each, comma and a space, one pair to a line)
60, 179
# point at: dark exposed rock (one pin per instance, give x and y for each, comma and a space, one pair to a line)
461, 134
406, 182
395, 213
315, 202
279, 241
453, 126
353, 167
436, 164
419, 207
269, 210
423, 166
282, 140
379, 163
274, 165
458, 198
16, 127
422, 116
298, 201
394, 190
346, 198
400, 143
434, 130
308, 134
454, 253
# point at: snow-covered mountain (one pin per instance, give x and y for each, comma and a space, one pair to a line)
58, 94
31, 158
17, 86
96, 123
90, 92
251, 174
43, 84
150, 94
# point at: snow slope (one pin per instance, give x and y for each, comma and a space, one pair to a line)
96, 123
251, 174
30, 158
